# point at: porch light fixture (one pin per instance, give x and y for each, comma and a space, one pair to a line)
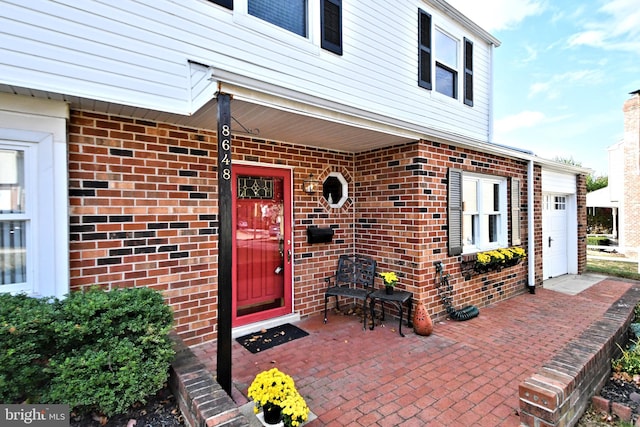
309, 185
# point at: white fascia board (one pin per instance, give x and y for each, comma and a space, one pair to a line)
176, 106
249, 90
457, 16
33, 106
553, 166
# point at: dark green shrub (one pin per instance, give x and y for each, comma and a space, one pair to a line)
94, 350
629, 362
114, 349
25, 346
109, 376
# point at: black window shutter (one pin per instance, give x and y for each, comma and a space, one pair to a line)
331, 25
224, 3
516, 238
468, 72
424, 49
454, 209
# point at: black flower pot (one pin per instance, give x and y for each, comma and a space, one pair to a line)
272, 413
388, 290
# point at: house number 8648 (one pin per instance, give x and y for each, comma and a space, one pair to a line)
226, 146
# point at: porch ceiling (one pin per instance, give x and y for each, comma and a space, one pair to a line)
262, 122
275, 124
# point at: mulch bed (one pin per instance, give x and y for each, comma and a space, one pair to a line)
625, 392
160, 410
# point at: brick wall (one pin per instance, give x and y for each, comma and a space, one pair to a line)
581, 204
143, 212
631, 157
401, 220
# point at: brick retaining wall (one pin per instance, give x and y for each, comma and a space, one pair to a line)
202, 400
560, 391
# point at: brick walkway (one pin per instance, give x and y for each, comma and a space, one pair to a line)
464, 374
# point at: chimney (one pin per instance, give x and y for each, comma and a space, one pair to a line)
631, 111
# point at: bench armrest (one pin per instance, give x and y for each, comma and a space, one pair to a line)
329, 279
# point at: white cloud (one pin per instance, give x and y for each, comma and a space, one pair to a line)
552, 87
494, 15
615, 26
588, 38
524, 119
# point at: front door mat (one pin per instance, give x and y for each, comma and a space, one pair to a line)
267, 338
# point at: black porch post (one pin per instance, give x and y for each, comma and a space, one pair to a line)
223, 369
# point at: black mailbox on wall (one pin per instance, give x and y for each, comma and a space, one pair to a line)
319, 235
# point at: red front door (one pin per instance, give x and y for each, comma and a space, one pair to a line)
262, 243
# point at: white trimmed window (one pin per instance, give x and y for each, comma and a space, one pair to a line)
477, 210
443, 57
34, 217
484, 212
17, 255
315, 21
446, 52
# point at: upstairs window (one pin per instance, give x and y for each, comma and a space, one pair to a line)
446, 64
294, 16
288, 14
442, 61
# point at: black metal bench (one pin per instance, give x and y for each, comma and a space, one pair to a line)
353, 279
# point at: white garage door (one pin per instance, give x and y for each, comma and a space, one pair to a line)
554, 234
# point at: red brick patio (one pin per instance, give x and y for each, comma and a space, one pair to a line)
464, 374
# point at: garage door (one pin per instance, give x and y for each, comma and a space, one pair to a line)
554, 234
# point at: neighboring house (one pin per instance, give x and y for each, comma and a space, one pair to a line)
623, 192
371, 119
600, 205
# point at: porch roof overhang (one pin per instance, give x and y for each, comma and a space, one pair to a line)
272, 113
601, 199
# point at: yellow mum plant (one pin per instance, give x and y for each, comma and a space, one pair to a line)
390, 278
500, 257
294, 410
274, 387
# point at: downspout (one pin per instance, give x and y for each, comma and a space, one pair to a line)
531, 247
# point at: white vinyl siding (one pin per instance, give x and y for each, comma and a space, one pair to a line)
137, 53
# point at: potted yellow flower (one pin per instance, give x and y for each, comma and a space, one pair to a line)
499, 258
274, 392
390, 280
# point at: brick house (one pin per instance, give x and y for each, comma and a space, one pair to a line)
622, 195
109, 155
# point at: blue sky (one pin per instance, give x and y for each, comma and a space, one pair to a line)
562, 73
